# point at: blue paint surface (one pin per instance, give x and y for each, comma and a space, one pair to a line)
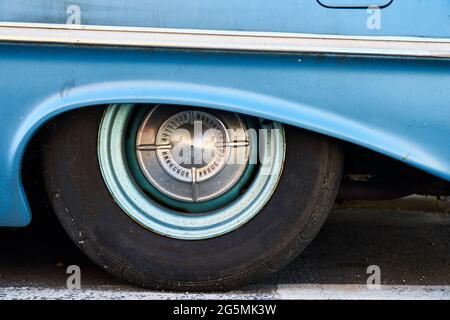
399, 107
422, 18
394, 106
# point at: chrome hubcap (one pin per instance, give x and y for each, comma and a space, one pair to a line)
192, 155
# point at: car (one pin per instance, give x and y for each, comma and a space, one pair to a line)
200, 146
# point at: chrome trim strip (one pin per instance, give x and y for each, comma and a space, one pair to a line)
223, 40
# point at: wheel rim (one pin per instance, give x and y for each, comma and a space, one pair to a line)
220, 196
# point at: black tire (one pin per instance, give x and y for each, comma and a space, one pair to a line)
267, 243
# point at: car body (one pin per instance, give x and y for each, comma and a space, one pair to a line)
377, 77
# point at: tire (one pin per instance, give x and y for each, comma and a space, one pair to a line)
287, 223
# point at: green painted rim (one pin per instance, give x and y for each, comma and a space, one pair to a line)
159, 218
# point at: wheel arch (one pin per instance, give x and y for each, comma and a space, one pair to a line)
301, 115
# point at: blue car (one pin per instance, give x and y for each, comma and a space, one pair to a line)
200, 145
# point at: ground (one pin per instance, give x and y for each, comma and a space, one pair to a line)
412, 249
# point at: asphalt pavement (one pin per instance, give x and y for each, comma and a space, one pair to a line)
411, 248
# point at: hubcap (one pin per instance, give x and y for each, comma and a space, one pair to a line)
150, 161
192, 155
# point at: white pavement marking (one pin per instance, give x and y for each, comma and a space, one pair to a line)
121, 293
288, 291
361, 292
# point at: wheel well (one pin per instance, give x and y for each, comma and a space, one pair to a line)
368, 175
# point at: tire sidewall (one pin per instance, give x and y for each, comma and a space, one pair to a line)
276, 235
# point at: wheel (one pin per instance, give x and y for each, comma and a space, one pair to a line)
182, 198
